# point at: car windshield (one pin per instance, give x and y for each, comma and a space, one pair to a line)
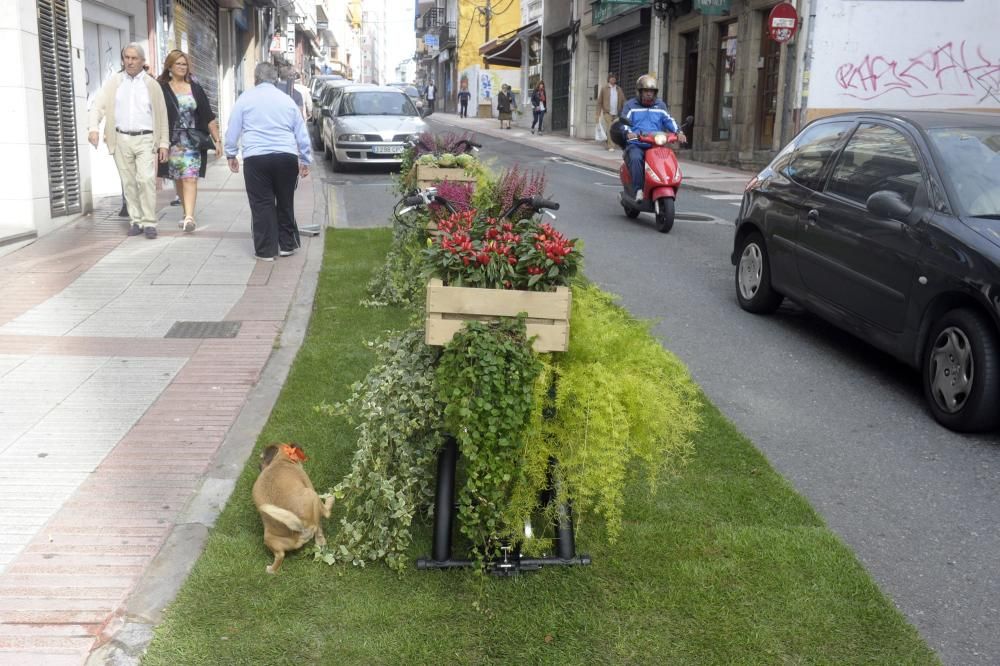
411, 91
971, 159
377, 103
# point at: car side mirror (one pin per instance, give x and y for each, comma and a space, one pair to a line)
886, 203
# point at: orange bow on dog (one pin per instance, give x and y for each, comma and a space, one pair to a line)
293, 452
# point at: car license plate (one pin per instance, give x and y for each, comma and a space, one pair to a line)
391, 150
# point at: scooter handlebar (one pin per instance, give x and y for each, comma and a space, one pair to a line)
539, 203
413, 200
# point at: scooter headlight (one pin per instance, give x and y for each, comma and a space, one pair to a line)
660, 139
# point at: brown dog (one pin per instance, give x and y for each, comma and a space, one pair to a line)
288, 504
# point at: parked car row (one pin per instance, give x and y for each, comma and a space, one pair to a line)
355, 123
888, 226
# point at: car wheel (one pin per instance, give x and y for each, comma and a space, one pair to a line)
753, 277
961, 372
665, 216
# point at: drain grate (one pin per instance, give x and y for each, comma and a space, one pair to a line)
204, 329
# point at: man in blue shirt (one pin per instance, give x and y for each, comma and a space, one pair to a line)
644, 114
276, 150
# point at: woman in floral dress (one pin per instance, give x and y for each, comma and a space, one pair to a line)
188, 108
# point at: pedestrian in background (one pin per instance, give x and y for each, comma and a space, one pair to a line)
431, 94
135, 129
307, 100
504, 103
463, 100
191, 118
288, 76
539, 104
609, 106
276, 149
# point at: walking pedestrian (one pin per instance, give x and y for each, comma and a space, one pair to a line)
135, 129
269, 127
431, 94
609, 106
504, 101
191, 119
539, 103
463, 99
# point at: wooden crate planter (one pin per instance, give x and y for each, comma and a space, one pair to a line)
448, 308
428, 176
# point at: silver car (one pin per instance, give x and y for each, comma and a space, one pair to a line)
369, 124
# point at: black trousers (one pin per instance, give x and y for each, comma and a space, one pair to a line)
464, 113
270, 182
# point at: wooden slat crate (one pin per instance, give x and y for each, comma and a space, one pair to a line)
427, 176
448, 308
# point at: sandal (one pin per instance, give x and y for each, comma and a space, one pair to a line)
188, 225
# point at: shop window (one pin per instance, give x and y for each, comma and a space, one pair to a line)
725, 75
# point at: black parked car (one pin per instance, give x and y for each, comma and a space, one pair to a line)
888, 226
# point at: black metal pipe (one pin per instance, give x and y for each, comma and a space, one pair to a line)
423, 564
565, 541
444, 501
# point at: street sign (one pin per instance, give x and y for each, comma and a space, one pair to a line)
431, 42
783, 22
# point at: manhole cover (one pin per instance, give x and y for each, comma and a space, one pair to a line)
204, 329
694, 217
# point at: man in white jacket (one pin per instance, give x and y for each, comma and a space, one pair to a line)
135, 130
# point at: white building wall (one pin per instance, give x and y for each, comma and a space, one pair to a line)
908, 54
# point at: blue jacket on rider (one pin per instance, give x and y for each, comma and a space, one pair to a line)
647, 119
641, 119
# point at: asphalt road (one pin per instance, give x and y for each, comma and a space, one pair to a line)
844, 423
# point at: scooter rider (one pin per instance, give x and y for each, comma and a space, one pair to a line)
644, 114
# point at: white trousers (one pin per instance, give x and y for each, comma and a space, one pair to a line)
135, 158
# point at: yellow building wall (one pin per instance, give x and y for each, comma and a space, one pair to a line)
472, 35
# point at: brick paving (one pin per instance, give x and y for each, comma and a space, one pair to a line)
107, 428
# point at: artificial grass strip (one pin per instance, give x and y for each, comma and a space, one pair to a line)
725, 564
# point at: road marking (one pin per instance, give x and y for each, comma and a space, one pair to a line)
603, 172
724, 197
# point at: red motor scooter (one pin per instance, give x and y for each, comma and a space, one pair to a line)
663, 178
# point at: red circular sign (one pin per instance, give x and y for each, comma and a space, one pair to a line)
782, 22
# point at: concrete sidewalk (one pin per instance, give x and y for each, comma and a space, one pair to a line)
121, 437
697, 176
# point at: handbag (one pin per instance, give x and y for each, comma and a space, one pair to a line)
599, 134
202, 140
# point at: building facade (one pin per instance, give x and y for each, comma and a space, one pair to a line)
60, 52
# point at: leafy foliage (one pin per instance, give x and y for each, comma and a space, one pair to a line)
619, 399
514, 183
400, 280
500, 254
486, 378
398, 417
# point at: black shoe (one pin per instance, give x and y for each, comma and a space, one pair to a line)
135, 230
176, 201
150, 232
123, 212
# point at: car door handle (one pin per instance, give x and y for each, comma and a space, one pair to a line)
813, 216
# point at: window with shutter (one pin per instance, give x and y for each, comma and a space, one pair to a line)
196, 31
58, 100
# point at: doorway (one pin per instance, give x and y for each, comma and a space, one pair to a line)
690, 93
561, 65
767, 87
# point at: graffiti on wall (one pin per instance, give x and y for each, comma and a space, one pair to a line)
485, 86
947, 70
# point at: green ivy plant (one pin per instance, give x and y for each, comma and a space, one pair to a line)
486, 378
398, 416
400, 279
614, 403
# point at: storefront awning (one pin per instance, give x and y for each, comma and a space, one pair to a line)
506, 49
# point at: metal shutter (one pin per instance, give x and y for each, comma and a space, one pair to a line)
58, 100
559, 92
628, 57
197, 22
